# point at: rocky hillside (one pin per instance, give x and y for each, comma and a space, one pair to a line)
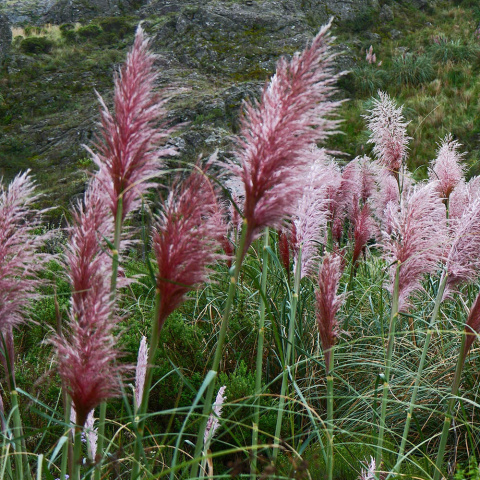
213, 54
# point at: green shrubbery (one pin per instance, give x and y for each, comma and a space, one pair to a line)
36, 45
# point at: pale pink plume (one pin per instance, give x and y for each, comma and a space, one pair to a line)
368, 473
447, 169
92, 435
141, 371
328, 303
20, 259
415, 236
463, 253
187, 236
463, 195
213, 421
389, 133
87, 353
334, 196
274, 151
310, 217
128, 149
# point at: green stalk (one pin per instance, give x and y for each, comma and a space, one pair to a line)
17, 434
77, 453
142, 409
259, 363
448, 414
433, 318
207, 406
388, 364
329, 372
64, 465
291, 331
113, 291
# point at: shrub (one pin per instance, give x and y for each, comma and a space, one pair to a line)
411, 69
36, 45
454, 51
89, 32
117, 26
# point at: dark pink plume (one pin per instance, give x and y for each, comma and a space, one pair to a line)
415, 235
275, 142
363, 230
87, 354
129, 154
472, 327
389, 133
186, 238
328, 302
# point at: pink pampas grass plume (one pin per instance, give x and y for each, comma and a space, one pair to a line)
328, 303
463, 195
128, 153
416, 238
472, 327
389, 133
214, 419
463, 257
87, 353
446, 169
20, 261
276, 134
368, 473
363, 230
187, 235
92, 436
141, 371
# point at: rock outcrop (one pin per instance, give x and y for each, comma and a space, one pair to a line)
5, 36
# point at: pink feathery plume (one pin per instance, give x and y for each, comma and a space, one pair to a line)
87, 355
284, 249
334, 196
446, 170
20, 260
141, 371
389, 133
368, 473
472, 327
328, 303
462, 196
463, 255
186, 238
92, 435
129, 156
214, 419
415, 236
363, 230
310, 218
276, 134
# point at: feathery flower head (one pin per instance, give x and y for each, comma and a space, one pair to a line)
129, 156
368, 473
186, 238
92, 436
463, 195
463, 255
87, 356
19, 260
214, 419
414, 236
328, 303
446, 169
389, 133
363, 229
141, 371
276, 134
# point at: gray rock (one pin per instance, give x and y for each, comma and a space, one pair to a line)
395, 34
373, 37
386, 13
5, 36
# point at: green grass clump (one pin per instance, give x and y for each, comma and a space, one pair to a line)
36, 45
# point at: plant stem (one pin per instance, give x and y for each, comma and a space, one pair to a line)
329, 372
388, 364
259, 362
207, 406
433, 318
77, 453
142, 409
113, 291
448, 414
17, 434
291, 331
65, 448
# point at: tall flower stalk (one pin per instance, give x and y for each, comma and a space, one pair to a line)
327, 305
274, 152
